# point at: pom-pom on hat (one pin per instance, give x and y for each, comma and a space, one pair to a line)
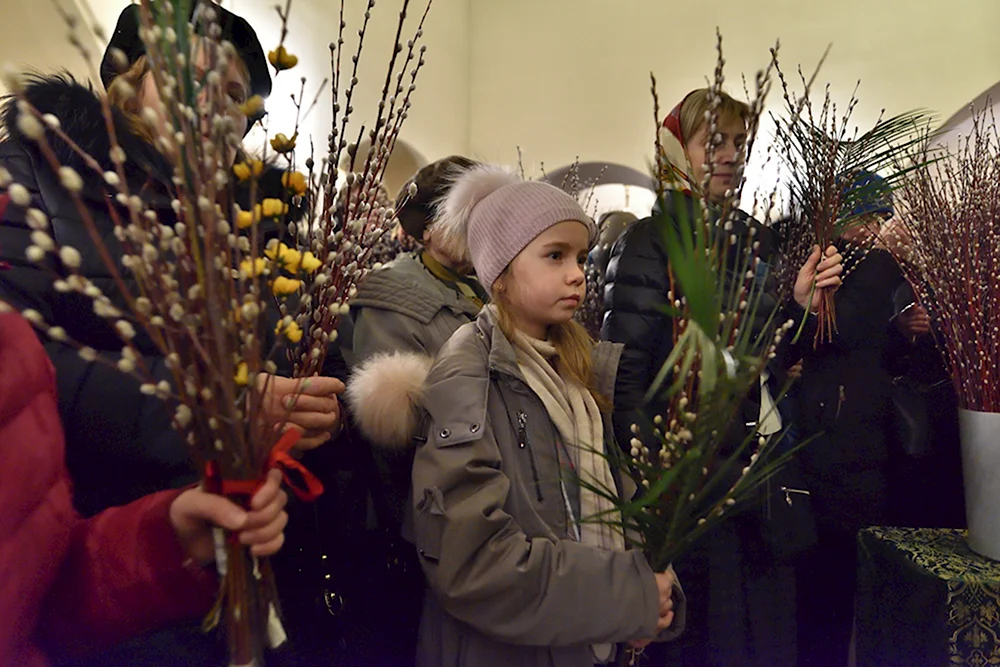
492, 214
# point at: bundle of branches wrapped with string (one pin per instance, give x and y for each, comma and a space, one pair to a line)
227, 288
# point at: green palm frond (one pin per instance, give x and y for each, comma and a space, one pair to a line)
824, 160
691, 474
691, 458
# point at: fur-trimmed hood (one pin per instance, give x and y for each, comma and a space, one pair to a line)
81, 116
387, 392
80, 112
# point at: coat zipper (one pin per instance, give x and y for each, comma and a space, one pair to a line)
789, 491
522, 436
841, 397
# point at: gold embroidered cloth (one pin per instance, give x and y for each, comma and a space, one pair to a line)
924, 598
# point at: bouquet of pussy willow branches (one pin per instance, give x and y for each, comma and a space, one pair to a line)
692, 473
198, 283
948, 243
830, 187
343, 230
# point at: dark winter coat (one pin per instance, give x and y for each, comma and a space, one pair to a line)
120, 444
635, 301
742, 614
921, 374
843, 397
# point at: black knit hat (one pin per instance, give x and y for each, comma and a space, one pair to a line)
433, 182
235, 29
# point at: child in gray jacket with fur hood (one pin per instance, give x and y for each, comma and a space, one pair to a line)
515, 415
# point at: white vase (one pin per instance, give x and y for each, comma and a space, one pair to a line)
981, 469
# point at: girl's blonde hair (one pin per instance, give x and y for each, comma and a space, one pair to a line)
572, 342
123, 94
699, 102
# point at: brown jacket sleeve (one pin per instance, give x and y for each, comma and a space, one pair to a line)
483, 568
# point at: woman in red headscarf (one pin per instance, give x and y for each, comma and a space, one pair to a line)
743, 607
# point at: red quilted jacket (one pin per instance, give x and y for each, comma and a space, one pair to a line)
68, 585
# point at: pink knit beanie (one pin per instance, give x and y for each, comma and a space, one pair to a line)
490, 215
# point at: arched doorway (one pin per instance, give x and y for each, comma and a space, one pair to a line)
605, 187
404, 162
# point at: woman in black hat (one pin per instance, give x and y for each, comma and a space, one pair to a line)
120, 445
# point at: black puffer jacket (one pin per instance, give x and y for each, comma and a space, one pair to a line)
120, 444
635, 303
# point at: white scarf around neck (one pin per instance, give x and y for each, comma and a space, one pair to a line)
577, 417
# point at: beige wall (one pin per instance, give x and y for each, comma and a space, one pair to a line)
563, 78
571, 77
33, 37
32, 34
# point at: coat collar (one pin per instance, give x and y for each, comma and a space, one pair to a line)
81, 118
502, 358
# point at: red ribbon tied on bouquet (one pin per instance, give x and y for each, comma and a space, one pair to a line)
307, 488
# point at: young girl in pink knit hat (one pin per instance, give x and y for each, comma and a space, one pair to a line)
516, 432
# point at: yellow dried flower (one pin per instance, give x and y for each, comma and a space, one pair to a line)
245, 218
293, 332
253, 107
287, 258
281, 59
242, 377
272, 208
295, 182
291, 261
283, 286
245, 170
284, 144
275, 250
309, 262
253, 267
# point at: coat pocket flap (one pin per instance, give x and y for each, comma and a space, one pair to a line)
457, 409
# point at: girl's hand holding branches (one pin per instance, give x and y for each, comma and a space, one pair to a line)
665, 585
821, 271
